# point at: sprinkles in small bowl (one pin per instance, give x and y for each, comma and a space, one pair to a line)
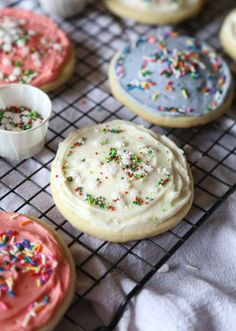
24, 116
19, 118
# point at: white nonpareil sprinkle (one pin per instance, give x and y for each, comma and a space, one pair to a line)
124, 185
57, 47
7, 48
95, 163
133, 194
7, 39
8, 24
152, 189
20, 42
83, 166
120, 144
22, 21
115, 196
32, 32
93, 184
147, 168
120, 204
125, 158
12, 78
111, 169
96, 143
164, 268
16, 71
37, 63
191, 267
78, 181
35, 56
43, 41
6, 62
25, 51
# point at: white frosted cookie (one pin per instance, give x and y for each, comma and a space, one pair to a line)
172, 80
155, 11
228, 34
119, 181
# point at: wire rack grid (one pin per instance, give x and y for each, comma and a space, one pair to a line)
84, 100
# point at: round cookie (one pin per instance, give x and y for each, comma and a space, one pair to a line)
155, 11
33, 50
172, 80
228, 34
119, 181
37, 274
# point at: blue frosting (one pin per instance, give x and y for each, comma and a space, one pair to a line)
173, 75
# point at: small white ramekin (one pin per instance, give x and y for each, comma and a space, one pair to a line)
63, 8
20, 145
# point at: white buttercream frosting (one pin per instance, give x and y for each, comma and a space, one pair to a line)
158, 5
132, 175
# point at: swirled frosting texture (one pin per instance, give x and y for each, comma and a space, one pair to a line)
229, 26
159, 5
33, 49
34, 275
171, 75
121, 175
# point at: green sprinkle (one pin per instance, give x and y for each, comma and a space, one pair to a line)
33, 115
28, 72
104, 141
27, 126
112, 154
19, 64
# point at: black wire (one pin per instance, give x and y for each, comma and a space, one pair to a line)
92, 17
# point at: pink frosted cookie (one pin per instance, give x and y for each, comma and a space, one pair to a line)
33, 50
36, 274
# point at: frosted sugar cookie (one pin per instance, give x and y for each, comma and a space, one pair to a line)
172, 80
118, 181
37, 274
228, 34
155, 11
33, 50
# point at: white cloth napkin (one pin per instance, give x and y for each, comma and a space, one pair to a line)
197, 293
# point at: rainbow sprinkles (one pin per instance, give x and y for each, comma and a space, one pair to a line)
170, 76
30, 264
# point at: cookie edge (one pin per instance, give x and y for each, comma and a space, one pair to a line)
65, 74
229, 44
65, 304
147, 18
166, 121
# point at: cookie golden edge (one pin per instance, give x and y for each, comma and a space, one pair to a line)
165, 121
65, 74
150, 230
226, 39
54, 321
150, 18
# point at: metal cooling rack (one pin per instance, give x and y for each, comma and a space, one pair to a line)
85, 100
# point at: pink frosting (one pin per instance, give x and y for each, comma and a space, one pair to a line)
33, 49
14, 310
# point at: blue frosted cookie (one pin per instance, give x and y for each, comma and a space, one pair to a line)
172, 80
